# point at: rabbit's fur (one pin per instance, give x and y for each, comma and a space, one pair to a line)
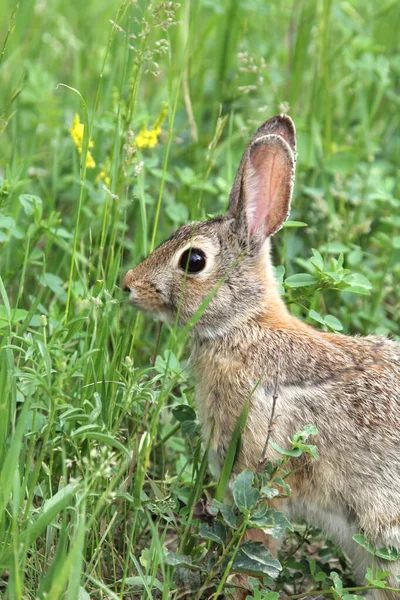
348, 387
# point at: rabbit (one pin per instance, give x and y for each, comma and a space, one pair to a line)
348, 387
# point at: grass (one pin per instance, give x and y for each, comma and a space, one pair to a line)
100, 466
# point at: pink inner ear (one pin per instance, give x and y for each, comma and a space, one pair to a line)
268, 187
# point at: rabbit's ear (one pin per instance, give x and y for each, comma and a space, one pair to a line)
260, 197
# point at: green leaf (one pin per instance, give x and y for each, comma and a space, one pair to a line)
317, 260
308, 449
271, 596
290, 224
300, 280
333, 323
140, 581
177, 212
53, 282
254, 559
183, 412
280, 482
179, 560
16, 315
245, 494
391, 554
364, 543
304, 434
227, 513
269, 492
30, 204
190, 429
316, 317
334, 248
358, 289
279, 272
168, 363
337, 582
358, 280
377, 579
295, 452
263, 516
215, 532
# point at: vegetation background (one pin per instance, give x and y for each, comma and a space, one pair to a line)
100, 458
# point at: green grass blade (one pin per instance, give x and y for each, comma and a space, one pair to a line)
233, 449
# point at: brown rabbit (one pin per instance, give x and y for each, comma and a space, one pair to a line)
349, 388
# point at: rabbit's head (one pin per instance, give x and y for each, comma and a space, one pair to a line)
221, 268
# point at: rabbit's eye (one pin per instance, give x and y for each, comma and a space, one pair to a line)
193, 260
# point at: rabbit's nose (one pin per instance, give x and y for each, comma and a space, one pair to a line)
125, 285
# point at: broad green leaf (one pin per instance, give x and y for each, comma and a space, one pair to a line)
377, 579
30, 203
18, 314
269, 492
362, 541
333, 323
358, 289
245, 494
139, 581
254, 559
168, 363
270, 596
215, 532
337, 582
227, 513
183, 412
300, 280
53, 282
316, 317
308, 449
391, 554
263, 516
317, 260
357, 279
295, 452
190, 429
179, 560
334, 248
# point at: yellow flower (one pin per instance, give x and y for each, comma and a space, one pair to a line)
148, 138
104, 174
76, 132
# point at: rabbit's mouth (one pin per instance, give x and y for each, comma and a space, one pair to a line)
149, 302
